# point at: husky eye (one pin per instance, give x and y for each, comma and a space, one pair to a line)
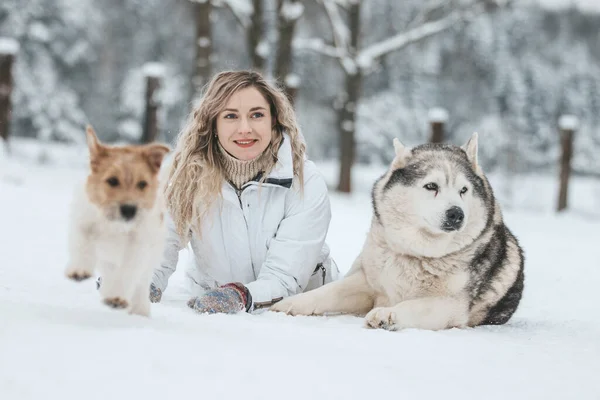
142, 185
113, 181
431, 186
463, 190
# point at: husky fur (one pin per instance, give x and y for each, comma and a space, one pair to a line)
117, 224
438, 254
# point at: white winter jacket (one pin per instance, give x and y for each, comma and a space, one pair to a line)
268, 236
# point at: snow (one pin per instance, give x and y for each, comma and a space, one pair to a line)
292, 10
263, 48
341, 32
292, 80
8, 46
203, 42
241, 7
347, 125
568, 122
40, 32
349, 65
154, 69
316, 45
58, 341
130, 129
438, 115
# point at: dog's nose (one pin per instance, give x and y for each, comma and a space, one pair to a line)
454, 218
128, 211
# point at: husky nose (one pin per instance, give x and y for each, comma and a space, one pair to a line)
454, 218
128, 211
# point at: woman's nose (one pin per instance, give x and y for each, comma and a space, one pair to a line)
244, 126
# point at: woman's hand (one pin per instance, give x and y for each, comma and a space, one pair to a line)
230, 299
155, 294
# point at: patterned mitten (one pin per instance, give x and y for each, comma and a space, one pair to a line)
155, 293
230, 299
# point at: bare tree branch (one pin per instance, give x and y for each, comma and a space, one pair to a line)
366, 56
363, 59
242, 10
317, 45
424, 13
341, 33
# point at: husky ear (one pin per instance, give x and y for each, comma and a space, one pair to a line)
402, 154
471, 149
155, 154
95, 148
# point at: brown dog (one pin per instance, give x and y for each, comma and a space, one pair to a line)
117, 224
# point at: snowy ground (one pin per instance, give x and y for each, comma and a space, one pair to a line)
57, 341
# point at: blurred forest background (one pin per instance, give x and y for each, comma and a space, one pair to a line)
366, 71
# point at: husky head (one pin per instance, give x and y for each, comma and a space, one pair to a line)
433, 200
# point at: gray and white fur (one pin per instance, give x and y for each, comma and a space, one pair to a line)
438, 254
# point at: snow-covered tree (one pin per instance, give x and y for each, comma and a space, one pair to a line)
56, 41
357, 60
248, 13
288, 13
82, 61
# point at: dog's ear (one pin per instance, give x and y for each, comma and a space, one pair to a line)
93, 143
155, 154
402, 154
95, 148
471, 149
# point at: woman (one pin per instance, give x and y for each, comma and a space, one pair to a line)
241, 191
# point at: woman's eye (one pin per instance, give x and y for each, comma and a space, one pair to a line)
229, 116
258, 115
463, 190
431, 186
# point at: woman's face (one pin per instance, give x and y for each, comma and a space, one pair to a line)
244, 127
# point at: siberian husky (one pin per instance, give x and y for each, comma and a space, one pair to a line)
437, 255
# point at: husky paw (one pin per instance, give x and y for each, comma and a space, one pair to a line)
295, 305
116, 302
78, 275
381, 317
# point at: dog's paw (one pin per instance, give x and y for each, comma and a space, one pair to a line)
116, 302
381, 317
296, 305
140, 309
78, 275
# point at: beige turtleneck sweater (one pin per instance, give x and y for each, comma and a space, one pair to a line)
238, 172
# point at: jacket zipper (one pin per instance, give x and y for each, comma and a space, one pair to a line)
238, 192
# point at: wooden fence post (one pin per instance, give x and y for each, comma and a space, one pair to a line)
568, 124
437, 118
8, 50
292, 83
153, 73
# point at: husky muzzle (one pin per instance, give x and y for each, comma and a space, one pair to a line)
454, 219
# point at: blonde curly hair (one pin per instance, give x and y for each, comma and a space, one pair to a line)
197, 173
